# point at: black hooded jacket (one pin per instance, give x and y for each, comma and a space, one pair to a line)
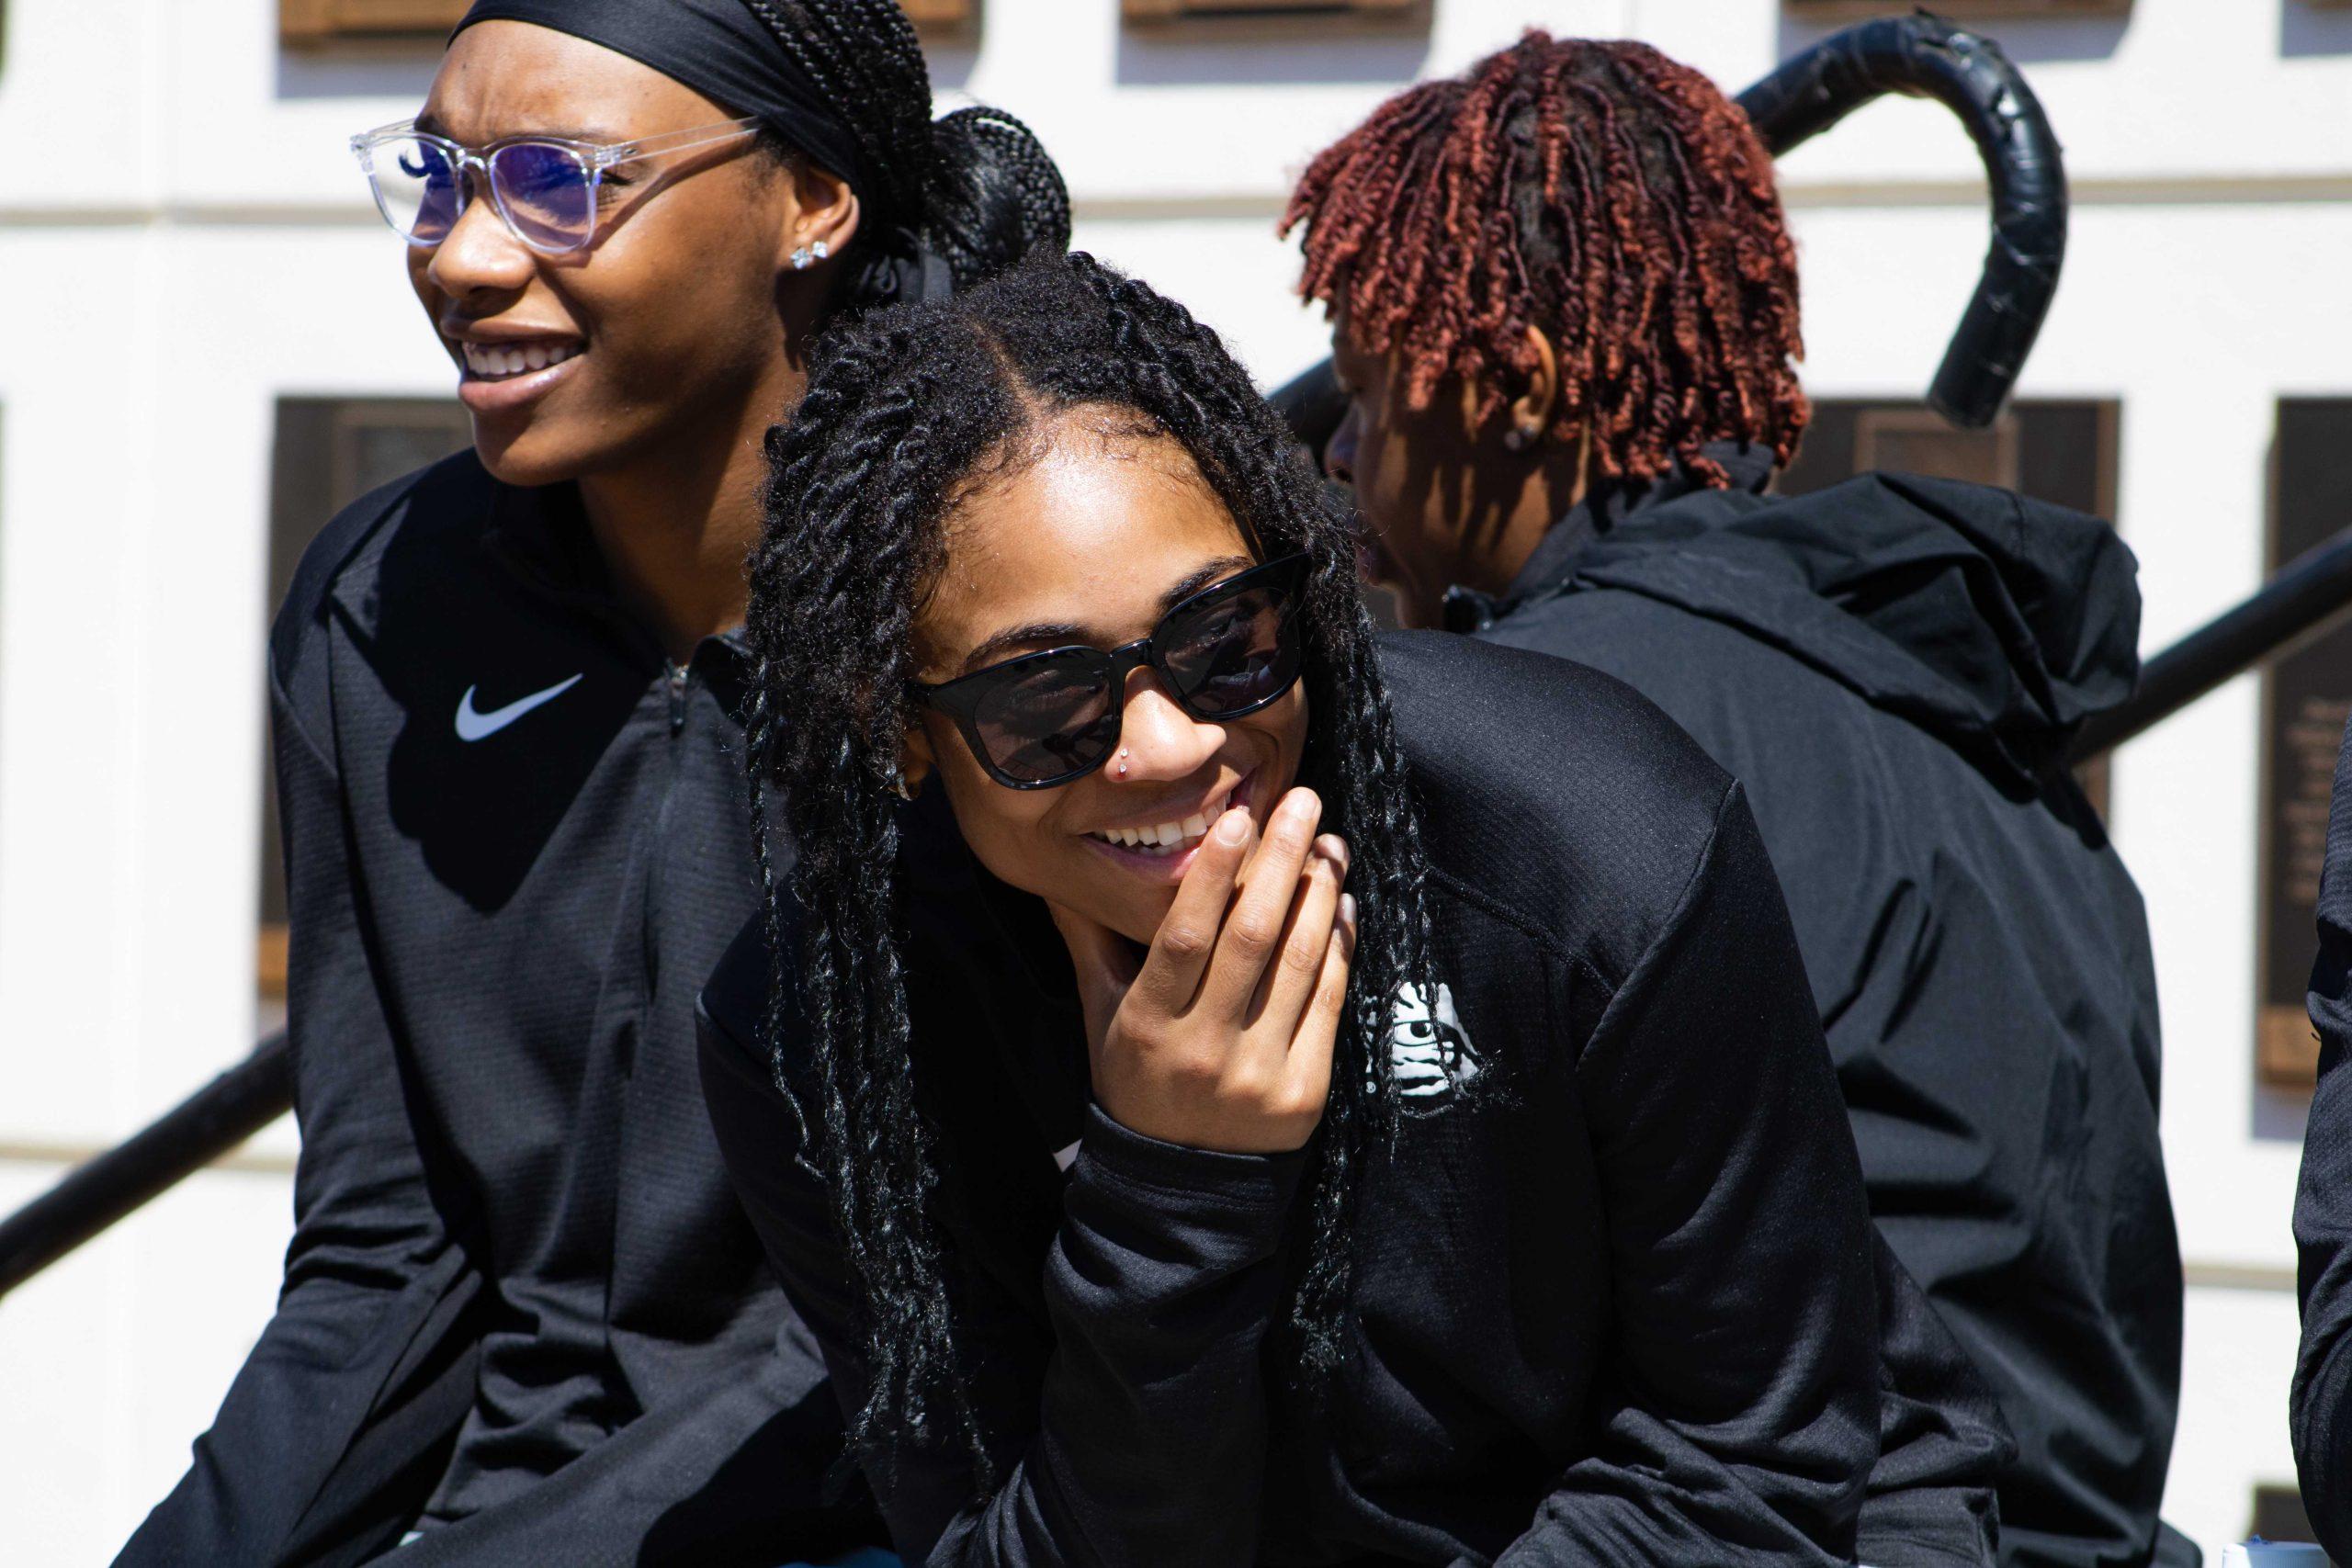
521, 1303
1892, 667
1616, 1297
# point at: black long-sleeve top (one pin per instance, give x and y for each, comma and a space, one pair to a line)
1616, 1299
520, 1304
2321, 1403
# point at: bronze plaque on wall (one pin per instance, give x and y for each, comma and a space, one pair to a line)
2306, 695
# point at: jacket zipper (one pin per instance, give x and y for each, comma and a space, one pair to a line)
677, 698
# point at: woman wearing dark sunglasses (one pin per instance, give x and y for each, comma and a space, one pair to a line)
523, 1316
1268, 1098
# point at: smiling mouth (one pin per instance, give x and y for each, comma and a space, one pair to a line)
1171, 838
498, 362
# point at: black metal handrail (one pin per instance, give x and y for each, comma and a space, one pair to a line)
1923, 56
105, 1188
2307, 596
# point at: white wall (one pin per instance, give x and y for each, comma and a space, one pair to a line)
193, 242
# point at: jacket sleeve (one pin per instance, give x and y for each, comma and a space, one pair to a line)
1144, 1437
1941, 1440
2320, 1406
370, 1261
1739, 1419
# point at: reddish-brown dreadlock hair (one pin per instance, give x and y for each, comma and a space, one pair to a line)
1597, 191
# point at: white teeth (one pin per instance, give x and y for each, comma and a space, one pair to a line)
1165, 836
489, 359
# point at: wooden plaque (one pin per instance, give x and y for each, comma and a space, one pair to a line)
2306, 694
1919, 441
1169, 10
941, 15
1958, 10
307, 22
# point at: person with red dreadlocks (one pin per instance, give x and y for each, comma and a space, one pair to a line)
1564, 308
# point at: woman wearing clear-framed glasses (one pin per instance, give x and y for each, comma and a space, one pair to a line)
523, 1319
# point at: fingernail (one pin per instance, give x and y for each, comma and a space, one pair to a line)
1233, 826
1348, 910
1299, 803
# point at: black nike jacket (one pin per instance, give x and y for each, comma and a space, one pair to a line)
521, 1308
1616, 1299
1892, 667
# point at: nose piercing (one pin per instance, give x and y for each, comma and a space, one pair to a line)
1123, 761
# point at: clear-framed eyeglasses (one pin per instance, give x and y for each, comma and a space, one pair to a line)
548, 189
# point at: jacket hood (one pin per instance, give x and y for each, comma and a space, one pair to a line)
1994, 621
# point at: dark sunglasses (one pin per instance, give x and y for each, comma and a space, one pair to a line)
1045, 719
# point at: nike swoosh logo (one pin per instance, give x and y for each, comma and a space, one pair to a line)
473, 725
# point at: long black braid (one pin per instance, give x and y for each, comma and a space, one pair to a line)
903, 408
973, 188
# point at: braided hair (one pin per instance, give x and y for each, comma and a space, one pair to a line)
974, 188
904, 407
1596, 190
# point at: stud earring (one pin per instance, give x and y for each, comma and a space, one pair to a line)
801, 258
821, 250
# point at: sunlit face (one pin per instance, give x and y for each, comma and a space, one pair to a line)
1091, 543
671, 323
1413, 474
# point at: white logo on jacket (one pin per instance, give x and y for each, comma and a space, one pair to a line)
474, 725
1427, 1048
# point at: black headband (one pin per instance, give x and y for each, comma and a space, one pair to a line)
718, 47
723, 51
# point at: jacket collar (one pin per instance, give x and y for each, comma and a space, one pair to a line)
1555, 557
